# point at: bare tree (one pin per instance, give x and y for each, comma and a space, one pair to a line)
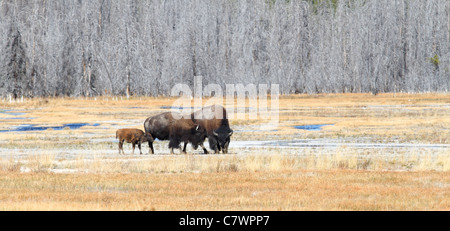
106, 47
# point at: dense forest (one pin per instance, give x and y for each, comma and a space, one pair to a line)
126, 47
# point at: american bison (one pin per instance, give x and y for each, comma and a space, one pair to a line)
185, 130
133, 136
159, 127
214, 119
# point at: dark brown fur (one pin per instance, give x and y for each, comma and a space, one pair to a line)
133, 136
214, 119
184, 130
159, 127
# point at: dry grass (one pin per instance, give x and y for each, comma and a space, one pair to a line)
381, 118
67, 170
222, 182
342, 159
385, 117
279, 190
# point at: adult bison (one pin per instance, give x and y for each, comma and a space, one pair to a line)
214, 119
187, 131
159, 127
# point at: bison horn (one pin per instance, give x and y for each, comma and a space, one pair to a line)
215, 133
231, 133
196, 129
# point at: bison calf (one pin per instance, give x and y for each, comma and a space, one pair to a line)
185, 130
133, 136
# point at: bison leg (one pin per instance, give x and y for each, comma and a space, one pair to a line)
213, 144
204, 149
151, 150
120, 146
173, 143
217, 149
225, 147
134, 145
139, 146
184, 148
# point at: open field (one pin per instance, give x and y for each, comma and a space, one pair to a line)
264, 190
384, 152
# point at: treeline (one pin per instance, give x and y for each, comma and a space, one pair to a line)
107, 47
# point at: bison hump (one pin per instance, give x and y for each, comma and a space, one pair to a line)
210, 112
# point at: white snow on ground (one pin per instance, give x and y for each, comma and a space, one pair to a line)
236, 147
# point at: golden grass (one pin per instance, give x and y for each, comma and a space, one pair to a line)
272, 160
403, 117
279, 190
64, 170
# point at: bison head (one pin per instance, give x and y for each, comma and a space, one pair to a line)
147, 137
198, 135
223, 137
199, 132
